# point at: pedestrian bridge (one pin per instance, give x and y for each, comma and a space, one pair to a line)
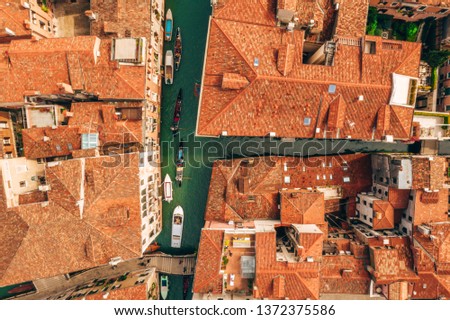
165, 263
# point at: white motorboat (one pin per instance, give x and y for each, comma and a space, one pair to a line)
168, 196
177, 227
168, 67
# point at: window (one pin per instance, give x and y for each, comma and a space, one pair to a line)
387, 180
394, 180
381, 179
8, 155
404, 230
3, 125
409, 218
411, 197
447, 91
369, 47
357, 213
441, 77
6, 141
143, 226
365, 202
58, 147
386, 193
144, 241
379, 191
371, 205
448, 75
69, 146
357, 199
23, 184
365, 217
447, 108
371, 220
307, 121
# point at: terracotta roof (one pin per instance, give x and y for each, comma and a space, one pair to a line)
434, 211
392, 264
429, 173
116, 18
336, 113
398, 198
98, 117
207, 278
49, 240
436, 247
431, 286
285, 59
47, 142
383, 217
301, 278
266, 177
352, 18
279, 287
291, 105
344, 274
74, 61
13, 16
234, 81
138, 292
302, 207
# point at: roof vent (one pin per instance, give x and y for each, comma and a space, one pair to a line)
256, 62
26, 5
361, 98
10, 32
46, 139
224, 133
272, 134
332, 88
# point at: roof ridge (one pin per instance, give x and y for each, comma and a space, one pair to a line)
306, 286
101, 192
129, 85
236, 48
294, 79
68, 189
211, 241
407, 58
229, 104
394, 113
12, 17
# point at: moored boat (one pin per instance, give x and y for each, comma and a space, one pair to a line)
168, 190
177, 227
177, 112
180, 164
169, 26
168, 67
178, 49
164, 287
186, 282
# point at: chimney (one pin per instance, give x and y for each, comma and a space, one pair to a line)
65, 88
10, 33
91, 15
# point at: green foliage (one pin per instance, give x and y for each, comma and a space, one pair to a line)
44, 8
411, 32
372, 21
436, 58
434, 77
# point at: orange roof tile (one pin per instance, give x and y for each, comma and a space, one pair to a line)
138, 292
234, 81
279, 287
383, 217
48, 142
392, 264
302, 207
336, 113
266, 178
13, 16
436, 244
429, 173
301, 279
207, 278
428, 212
243, 42
74, 61
99, 117
344, 274
44, 241
352, 18
131, 18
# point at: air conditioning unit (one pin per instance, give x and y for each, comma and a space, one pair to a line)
44, 188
